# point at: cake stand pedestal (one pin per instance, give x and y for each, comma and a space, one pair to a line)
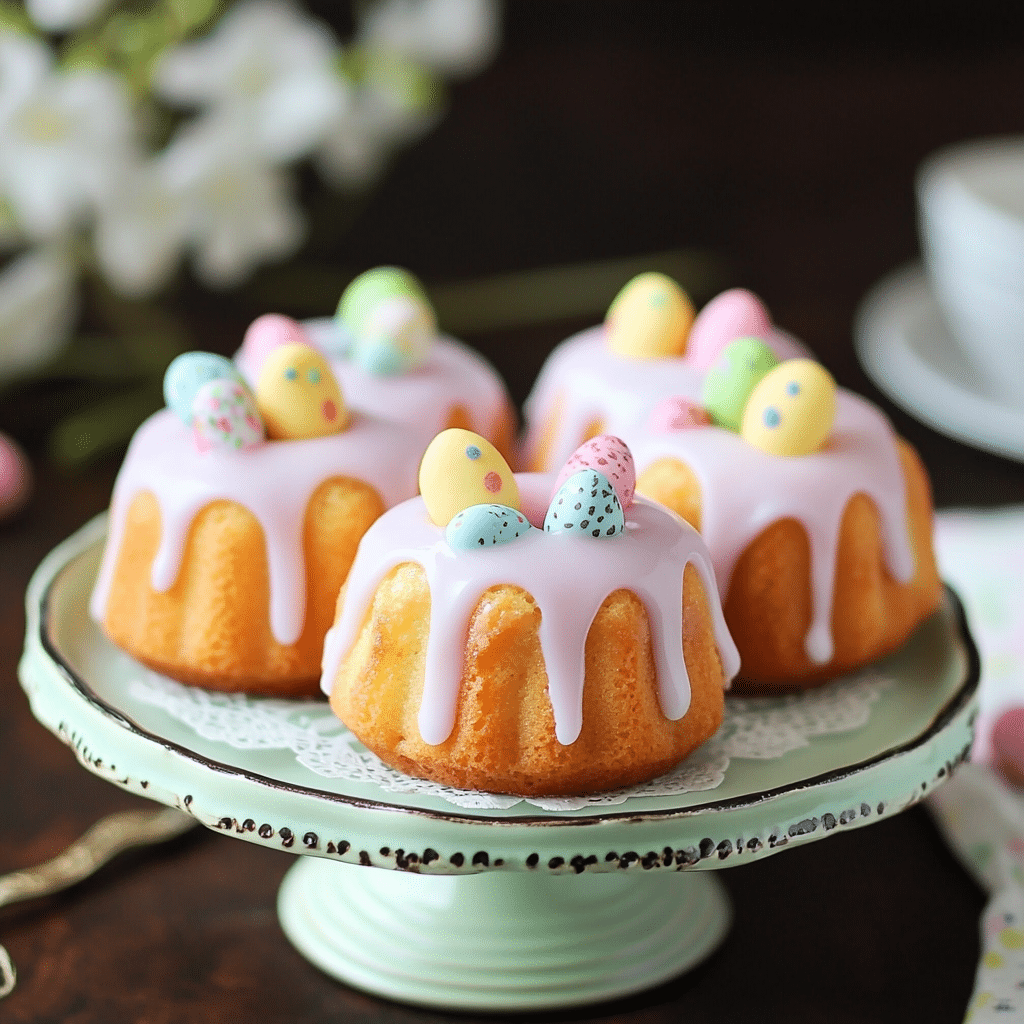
498, 940
486, 909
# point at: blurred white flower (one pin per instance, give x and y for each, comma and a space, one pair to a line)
454, 37
37, 309
392, 105
62, 136
361, 140
61, 15
267, 64
141, 230
241, 212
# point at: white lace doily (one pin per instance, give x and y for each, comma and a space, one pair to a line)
754, 727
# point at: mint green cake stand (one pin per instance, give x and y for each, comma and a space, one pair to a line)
495, 910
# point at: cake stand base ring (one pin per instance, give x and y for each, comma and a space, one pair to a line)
500, 940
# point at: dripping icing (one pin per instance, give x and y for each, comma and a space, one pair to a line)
568, 577
274, 481
743, 490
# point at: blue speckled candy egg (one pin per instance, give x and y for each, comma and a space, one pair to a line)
482, 526
188, 373
586, 504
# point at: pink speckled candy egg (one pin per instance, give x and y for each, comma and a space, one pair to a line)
678, 413
608, 455
266, 333
735, 313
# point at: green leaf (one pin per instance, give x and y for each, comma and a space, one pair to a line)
190, 15
13, 17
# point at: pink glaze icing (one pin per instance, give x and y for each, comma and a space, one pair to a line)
568, 576
593, 383
453, 375
743, 489
274, 481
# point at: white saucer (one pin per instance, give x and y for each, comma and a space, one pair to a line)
906, 348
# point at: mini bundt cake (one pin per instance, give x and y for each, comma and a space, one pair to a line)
818, 517
392, 362
487, 639
235, 517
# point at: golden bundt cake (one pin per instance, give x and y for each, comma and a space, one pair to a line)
523, 647
818, 517
236, 515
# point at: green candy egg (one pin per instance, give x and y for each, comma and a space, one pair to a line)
391, 324
373, 287
738, 369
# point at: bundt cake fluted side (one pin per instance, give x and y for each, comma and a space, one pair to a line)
768, 597
212, 627
504, 738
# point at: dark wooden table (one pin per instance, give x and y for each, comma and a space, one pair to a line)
784, 143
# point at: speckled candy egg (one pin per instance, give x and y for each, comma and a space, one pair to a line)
650, 318
395, 337
298, 396
608, 455
460, 469
267, 332
735, 313
586, 504
483, 526
188, 372
734, 375
224, 415
386, 313
677, 413
792, 409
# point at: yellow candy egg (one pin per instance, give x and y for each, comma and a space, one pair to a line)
649, 318
298, 396
460, 469
792, 409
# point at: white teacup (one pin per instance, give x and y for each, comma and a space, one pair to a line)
971, 203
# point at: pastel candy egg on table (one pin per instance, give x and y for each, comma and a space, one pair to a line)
736, 313
483, 526
225, 415
267, 332
15, 477
734, 375
792, 409
390, 322
1008, 745
586, 504
677, 413
188, 372
298, 396
650, 318
608, 455
460, 469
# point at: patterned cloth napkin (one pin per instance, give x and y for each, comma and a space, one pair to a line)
981, 555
